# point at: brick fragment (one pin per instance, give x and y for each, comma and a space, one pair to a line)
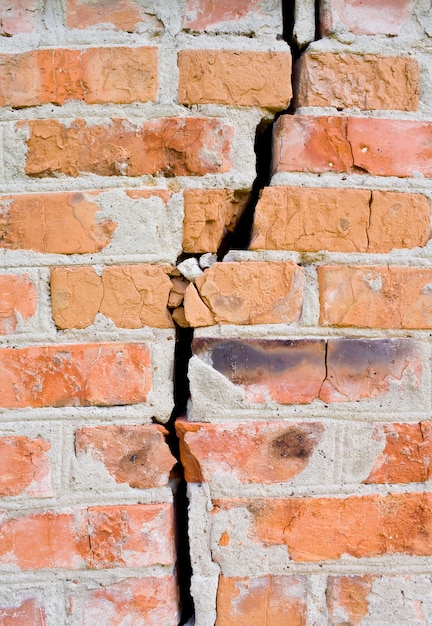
25, 467
75, 375
126, 15
209, 215
152, 601
407, 455
375, 297
132, 296
343, 220
362, 81
30, 611
318, 529
63, 223
281, 450
171, 146
19, 16
263, 600
196, 313
235, 77
366, 17
256, 292
136, 455
381, 147
18, 301
347, 598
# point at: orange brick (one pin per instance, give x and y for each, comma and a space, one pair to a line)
280, 450
132, 296
381, 147
376, 297
347, 596
208, 15
152, 601
28, 612
366, 17
24, 467
235, 77
258, 601
138, 535
62, 223
407, 455
343, 220
256, 292
18, 301
19, 16
317, 529
136, 455
126, 15
361, 81
75, 375
209, 215
171, 146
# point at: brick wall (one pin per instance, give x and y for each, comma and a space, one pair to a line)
238, 191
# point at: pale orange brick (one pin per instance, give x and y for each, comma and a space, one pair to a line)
360, 81
255, 292
347, 598
126, 15
317, 529
136, 455
407, 454
29, 612
25, 466
62, 223
196, 313
171, 146
223, 15
263, 600
366, 17
343, 220
17, 301
19, 16
75, 375
235, 77
258, 452
209, 215
152, 601
375, 297
132, 296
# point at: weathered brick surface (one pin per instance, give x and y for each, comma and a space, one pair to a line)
235, 77
363, 81
172, 147
381, 147
343, 220
347, 597
376, 297
94, 75
18, 301
75, 375
25, 467
135, 455
28, 612
245, 16
365, 17
126, 15
19, 16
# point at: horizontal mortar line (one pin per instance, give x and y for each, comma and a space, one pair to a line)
273, 414
64, 504
31, 578
297, 331
89, 260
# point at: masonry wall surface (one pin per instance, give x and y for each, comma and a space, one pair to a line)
254, 177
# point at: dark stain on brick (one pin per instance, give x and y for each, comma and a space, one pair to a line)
296, 442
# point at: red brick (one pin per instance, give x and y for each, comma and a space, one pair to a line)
376, 297
172, 146
136, 455
317, 529
363, 368
235, 77
347, 597
366, 17
151, 601
257, 452
252, 292
264, 600
138, 535
132, 296
407, 455
62, 223
24, 466
75, 375
18, 301
222, 15
126, 15
325, 79
28, 613
19, 16
381, 147
343, 220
